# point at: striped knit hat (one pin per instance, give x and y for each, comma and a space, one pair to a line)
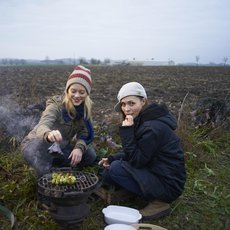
80, 75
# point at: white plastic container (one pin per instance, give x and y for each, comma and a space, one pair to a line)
114, 214
119, 227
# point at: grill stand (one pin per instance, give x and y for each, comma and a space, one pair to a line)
68, 205
69, 217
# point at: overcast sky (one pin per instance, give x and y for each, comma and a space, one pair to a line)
178, 30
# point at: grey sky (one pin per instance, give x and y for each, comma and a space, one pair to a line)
178, 30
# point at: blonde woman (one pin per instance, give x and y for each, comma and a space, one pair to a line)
64, 133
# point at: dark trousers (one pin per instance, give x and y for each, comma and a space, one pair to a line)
36, 154
117, 175
152, 186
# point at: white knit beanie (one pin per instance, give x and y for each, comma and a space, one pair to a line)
80, 75
129, 89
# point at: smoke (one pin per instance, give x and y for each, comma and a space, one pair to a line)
15, 121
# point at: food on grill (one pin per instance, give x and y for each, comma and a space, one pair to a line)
63, 178
58, 189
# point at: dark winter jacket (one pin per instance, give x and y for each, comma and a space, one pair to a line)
152, 144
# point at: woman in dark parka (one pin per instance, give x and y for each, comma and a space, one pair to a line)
152, 162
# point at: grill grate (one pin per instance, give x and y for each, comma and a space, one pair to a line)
85, 182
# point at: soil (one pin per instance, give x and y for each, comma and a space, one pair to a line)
23, 86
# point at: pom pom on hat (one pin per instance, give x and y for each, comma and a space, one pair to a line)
129, 89
80, 75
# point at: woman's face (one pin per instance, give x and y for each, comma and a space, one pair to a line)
77, 93
132, 105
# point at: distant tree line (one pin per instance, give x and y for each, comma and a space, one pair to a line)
6, 61
84, 61
94, 61
48, 61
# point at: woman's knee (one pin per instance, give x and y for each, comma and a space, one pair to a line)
31, 147
35, 151
89, 156
110, 172
115, 168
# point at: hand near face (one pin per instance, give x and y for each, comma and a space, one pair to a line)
76, 157
128, 121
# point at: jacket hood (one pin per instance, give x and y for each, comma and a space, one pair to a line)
158, 112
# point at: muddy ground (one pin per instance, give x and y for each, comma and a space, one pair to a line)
23, 86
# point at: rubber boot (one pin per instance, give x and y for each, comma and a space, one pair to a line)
155, 209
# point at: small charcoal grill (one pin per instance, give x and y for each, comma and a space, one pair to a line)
68, 202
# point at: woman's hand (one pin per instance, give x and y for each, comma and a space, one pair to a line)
128, 121
76, 157
104, 162
54, 136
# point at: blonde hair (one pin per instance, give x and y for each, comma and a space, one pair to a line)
71, 110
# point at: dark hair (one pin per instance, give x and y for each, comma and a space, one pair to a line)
141, 98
